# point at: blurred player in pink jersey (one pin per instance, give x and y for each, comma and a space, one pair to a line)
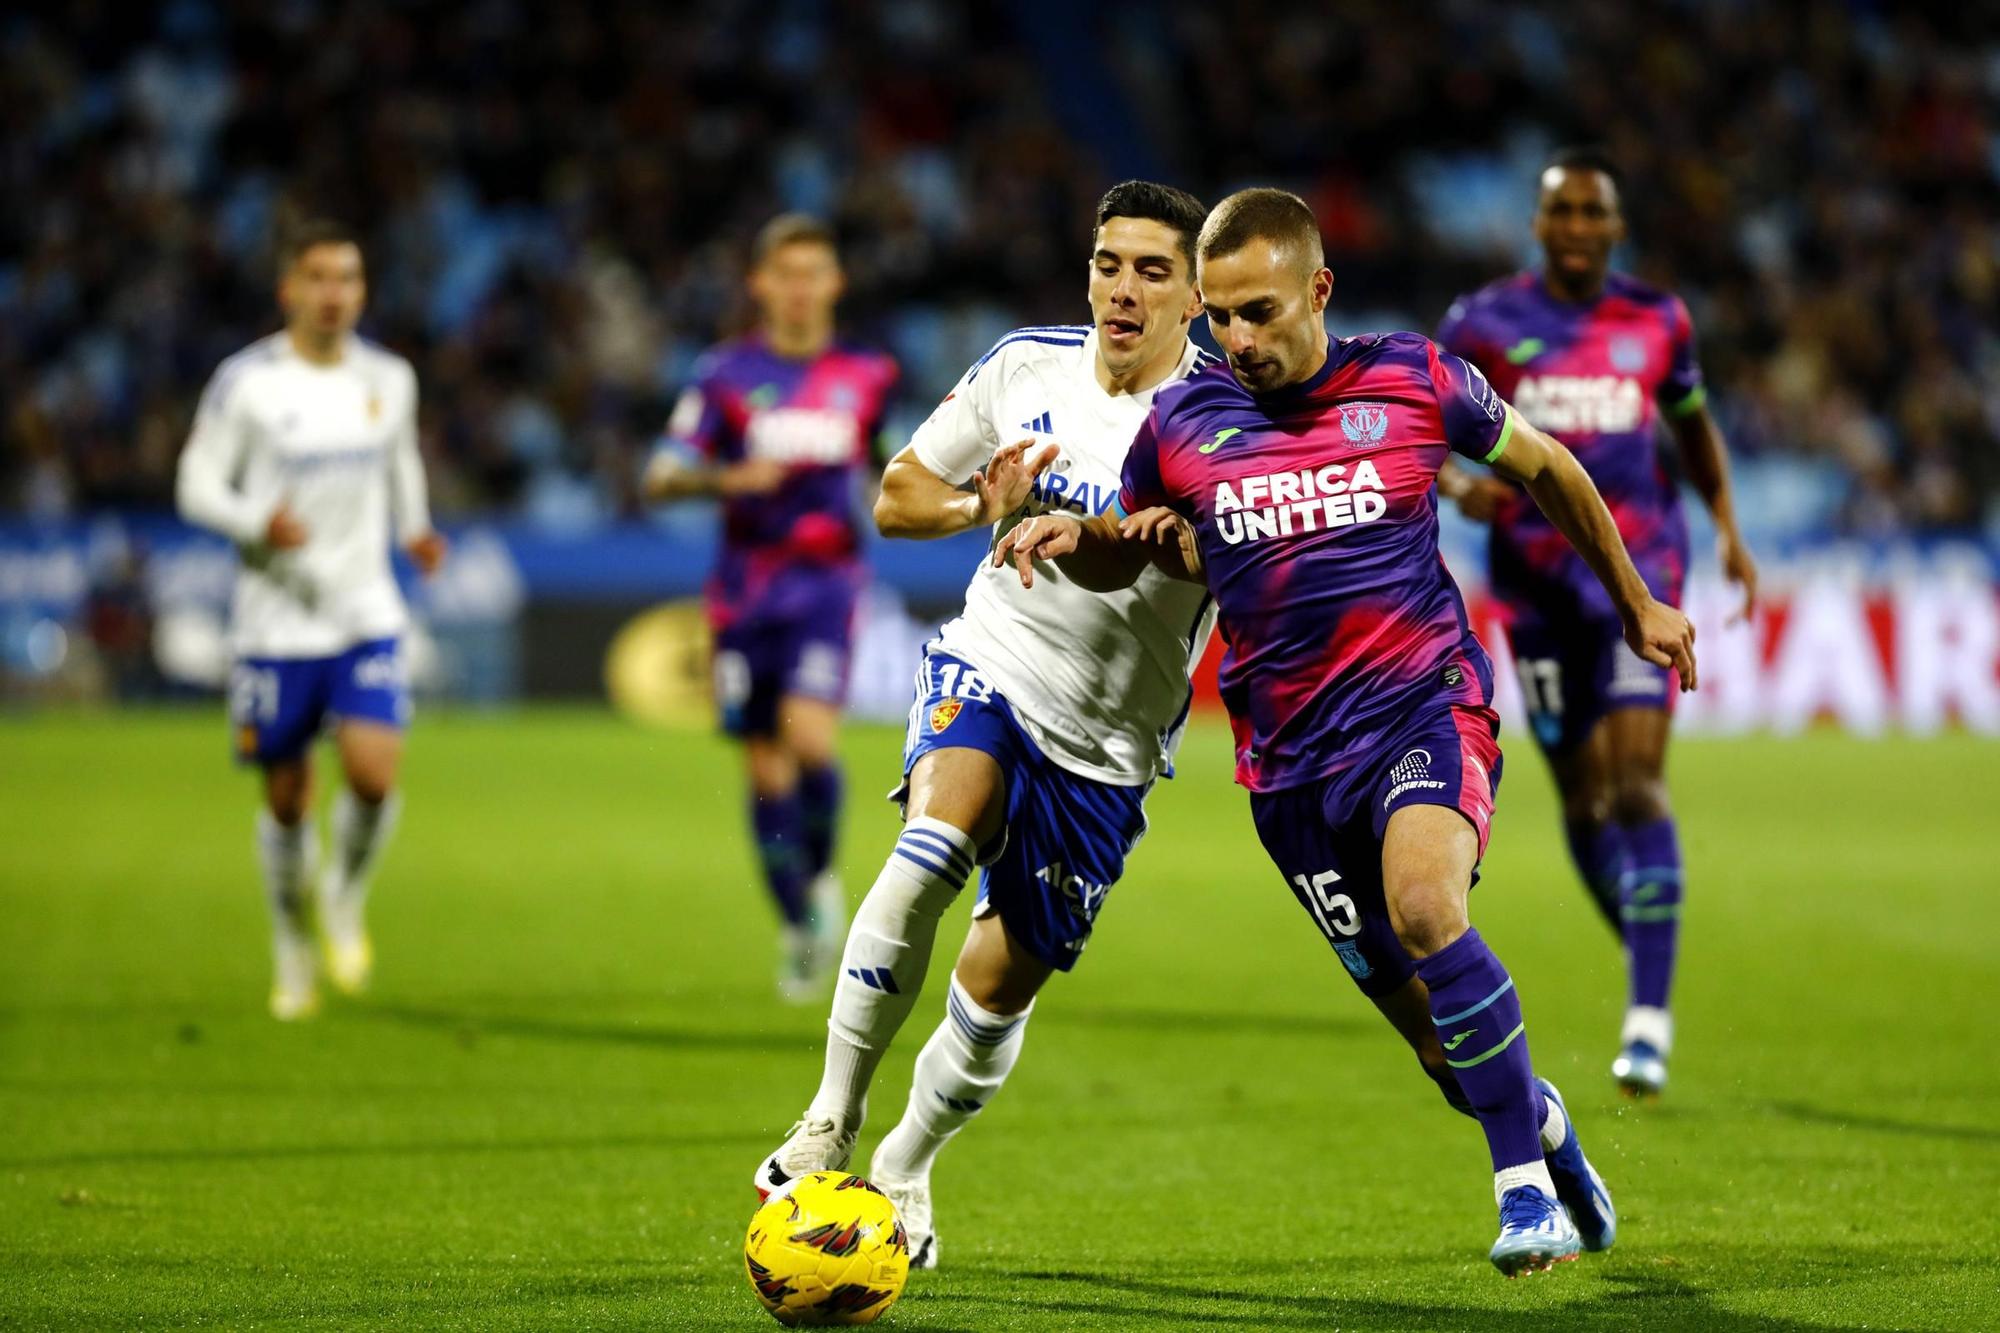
780, 426
1600, 360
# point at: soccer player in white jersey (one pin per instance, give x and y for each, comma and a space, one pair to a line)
304, 453
1041, 719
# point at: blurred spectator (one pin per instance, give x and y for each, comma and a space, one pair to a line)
556, 197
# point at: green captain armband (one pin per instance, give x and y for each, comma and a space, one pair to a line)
1506, 434
1696, 400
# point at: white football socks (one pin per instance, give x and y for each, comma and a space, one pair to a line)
888, 952
286, 855
1555, 1128
360, 831
1528, 1173
1654, 1026
961, 1067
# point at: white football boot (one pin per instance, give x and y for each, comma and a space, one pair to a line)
343, 934
815, 1144
913, 1207
294, 972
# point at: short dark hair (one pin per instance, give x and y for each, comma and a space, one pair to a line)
1588, 157
1155, 203
1263, 214
790, 229
303, 235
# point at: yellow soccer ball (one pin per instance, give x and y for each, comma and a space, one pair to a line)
831, 1251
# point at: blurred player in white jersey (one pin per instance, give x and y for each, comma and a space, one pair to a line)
304, 453
1041, 719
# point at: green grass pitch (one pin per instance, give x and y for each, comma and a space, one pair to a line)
546, 1114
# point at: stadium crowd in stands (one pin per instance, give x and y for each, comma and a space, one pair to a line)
556, 199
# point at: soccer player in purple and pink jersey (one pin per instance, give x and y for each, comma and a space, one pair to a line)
781, 426
1301, 485
1599, 360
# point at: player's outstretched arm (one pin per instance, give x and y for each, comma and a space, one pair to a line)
916, 502
1707, 458
1090, 551
672, 476
1565, 492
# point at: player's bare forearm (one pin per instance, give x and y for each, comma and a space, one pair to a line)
669, 478
915, 502
1169, 542
1707, 460
1655, 631
1089, 551
1565, 492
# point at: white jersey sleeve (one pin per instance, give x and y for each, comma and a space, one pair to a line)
409, 496
958, 437
205, 485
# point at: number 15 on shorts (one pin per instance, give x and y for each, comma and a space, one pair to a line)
1335, 912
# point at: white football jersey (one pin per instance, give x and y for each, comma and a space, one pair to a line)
339, 445
1099, 680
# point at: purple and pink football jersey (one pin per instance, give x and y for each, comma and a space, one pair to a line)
1316, 508
1597, 376
797, 550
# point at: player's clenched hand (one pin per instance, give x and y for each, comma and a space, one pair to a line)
427, 552
1044, 537
1162, 527
1664, 637
284, 532
1002, 486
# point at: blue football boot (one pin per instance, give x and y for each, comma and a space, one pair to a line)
1535, 1233
1640, 1069
1578, 1185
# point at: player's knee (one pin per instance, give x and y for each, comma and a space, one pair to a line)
1640, 797
288, 808
1427, 916
1000, 990
1588, 803
372, 785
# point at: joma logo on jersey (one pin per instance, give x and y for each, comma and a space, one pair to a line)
1287, 504
802, 435
1561, 403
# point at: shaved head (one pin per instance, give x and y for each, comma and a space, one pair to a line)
1276, 216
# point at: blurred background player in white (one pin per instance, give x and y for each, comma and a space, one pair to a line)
304, 453
1041, 719
780, 426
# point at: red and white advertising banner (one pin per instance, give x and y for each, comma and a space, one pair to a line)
1866, 643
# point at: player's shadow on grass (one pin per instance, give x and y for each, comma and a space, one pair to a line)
1651, 1301
1881, 1124
469, 1028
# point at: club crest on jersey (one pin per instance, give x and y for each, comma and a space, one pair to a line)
946, 713
1628, 354
1364, 424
